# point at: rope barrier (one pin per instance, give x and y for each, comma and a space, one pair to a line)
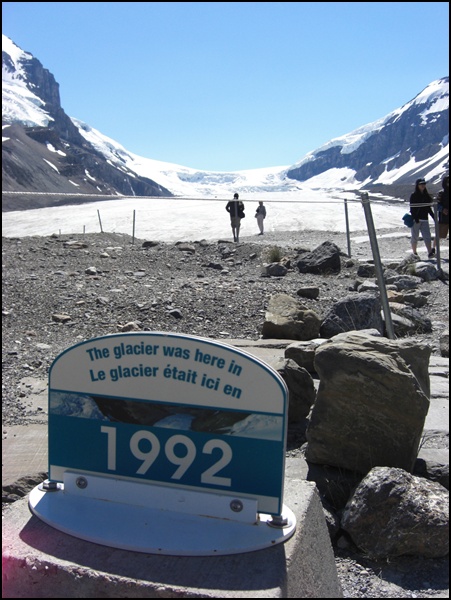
364, 200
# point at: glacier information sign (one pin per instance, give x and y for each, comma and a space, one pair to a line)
170, 410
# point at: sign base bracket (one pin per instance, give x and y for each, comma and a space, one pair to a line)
157, 519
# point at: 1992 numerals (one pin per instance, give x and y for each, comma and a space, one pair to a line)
182, 459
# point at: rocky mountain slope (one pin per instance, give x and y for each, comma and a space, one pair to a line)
410, 142
43, 150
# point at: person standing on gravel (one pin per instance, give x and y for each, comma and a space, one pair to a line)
420, 209
236, 210
443, 210
260, 215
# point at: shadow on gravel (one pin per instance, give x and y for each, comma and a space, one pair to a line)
421, 577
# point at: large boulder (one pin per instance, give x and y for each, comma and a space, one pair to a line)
287, 319
325, 259
354, 312
393, 513
371, 404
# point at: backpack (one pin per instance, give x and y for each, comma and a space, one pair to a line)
409, 221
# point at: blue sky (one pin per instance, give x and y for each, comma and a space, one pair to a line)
227, 86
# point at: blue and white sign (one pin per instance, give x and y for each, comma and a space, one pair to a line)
170, 410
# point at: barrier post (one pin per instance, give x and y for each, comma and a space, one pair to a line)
437, 237
100, 221
133, 232
347, 228
378, 265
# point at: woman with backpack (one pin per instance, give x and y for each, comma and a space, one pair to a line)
421, 209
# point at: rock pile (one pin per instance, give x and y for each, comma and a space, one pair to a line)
364, 430
60, 290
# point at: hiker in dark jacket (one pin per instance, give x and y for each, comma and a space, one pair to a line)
420, 209
236, 210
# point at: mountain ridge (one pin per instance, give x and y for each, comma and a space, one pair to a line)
44, 150
47, 151
419, 130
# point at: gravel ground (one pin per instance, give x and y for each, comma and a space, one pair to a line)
208, 288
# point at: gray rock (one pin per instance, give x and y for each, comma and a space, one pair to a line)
75, 244
301, 389
131, 326
426, 271
412, 321
433, 471
303, 353
403, 282
185, 247
308, 292
393, 513
366, 270
324, 259
275, 269
368, 286
444, 344
354, 312
415, 299
286, 318
370, 407
61, 318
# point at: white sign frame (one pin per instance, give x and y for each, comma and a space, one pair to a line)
147, 372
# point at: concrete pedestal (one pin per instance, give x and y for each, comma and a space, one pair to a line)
42, 562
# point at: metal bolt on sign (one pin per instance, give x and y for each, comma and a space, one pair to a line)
236, 505
278, 521
49, 486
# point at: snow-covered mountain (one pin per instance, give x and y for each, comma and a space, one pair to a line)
44, 150
410, 142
